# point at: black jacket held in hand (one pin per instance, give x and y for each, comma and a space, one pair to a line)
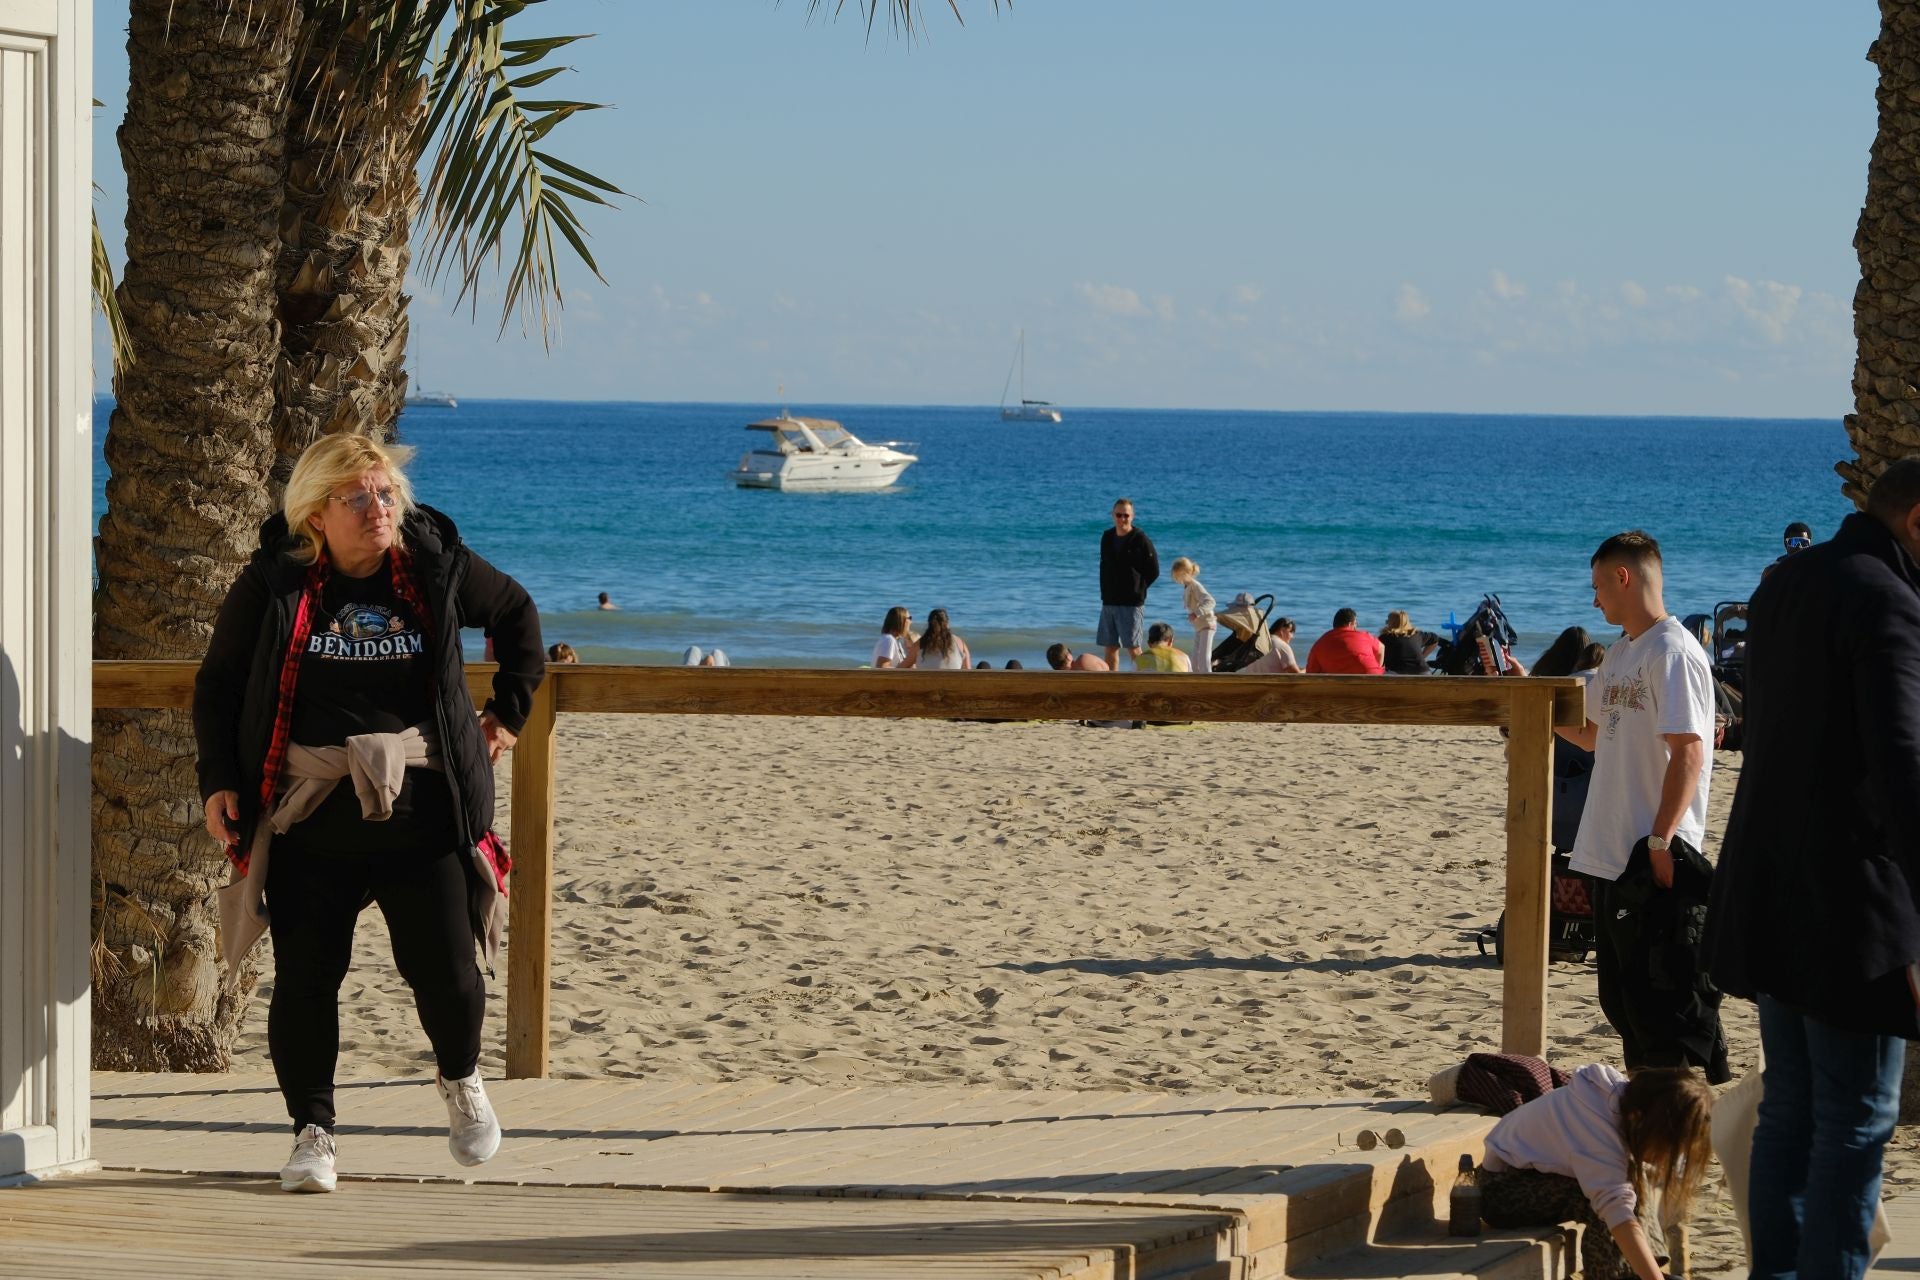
1815, 900
236, 692
1128, 566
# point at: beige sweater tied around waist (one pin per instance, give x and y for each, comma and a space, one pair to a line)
377, 763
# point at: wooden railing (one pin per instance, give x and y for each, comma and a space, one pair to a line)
1529, 709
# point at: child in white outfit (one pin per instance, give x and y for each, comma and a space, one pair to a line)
1200, 606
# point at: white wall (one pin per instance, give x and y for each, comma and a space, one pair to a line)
46, 51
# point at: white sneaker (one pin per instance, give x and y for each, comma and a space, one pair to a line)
310, 1167
473, 1134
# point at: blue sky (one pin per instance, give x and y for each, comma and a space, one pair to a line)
1268, 204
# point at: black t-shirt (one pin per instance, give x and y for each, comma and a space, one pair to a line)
1405, 654
367, 668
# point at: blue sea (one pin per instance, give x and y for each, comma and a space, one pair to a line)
999, 523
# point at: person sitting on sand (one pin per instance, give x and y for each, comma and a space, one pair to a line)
695, 657
606, 601
1405, 648
1603, 1150
1200, 606
561, 651
895, 648
1160, 655
1061, 658
1346, 650
1278, 660
940, 649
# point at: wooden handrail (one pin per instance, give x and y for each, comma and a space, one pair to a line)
1529, 709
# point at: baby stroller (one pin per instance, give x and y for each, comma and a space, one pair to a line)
1570, 927
1569, 918
1461, 656
1245, 621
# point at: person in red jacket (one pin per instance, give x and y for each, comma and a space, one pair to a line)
1346, 650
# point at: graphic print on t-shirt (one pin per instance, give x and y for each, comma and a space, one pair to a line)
1630, 694
367, 633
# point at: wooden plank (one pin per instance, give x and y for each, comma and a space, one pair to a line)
1051, 695
1026, 695
530, 902
1523, 1002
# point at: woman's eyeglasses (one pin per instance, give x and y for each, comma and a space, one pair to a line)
359, 503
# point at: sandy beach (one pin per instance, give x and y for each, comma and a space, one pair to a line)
1277, 909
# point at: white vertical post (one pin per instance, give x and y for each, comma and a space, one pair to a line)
46, 700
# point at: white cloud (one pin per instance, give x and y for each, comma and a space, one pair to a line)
1768, 305
1112, 299
1163, 307
1634, 292
1247, 294
1507, 290
1411, 304
1684, 292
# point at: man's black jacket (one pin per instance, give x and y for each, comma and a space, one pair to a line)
236, 692
1128, 566
1814, 903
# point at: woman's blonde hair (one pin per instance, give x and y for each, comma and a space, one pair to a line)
331, 462
1398, 624
1186, 566
1666, 1120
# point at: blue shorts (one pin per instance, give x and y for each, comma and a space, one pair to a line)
1122, 626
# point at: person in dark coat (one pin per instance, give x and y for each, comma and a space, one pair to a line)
1129, 564
336, 654
1815, 910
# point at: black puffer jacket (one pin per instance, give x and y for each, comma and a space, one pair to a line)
237, 691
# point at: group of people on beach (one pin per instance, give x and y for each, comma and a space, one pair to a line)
336, 656
1811, 910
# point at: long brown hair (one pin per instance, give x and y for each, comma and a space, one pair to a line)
895, 623
937, 639
1666, 1118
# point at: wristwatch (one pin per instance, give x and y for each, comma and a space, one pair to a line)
1657, 842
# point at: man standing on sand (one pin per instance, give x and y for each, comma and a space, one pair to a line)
1649, 720
1816, 905
1128, 566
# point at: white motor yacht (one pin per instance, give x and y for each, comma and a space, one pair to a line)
817, 454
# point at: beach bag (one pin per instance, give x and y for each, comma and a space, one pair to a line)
1503, 1082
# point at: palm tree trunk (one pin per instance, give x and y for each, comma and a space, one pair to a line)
351, 194
1885, 423
189, 446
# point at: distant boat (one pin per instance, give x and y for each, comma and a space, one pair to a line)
1026, 410
817, 454
424, 399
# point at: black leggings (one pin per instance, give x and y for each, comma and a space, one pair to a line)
313, 900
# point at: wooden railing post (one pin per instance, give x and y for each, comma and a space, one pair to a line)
1523, 1007
530, 897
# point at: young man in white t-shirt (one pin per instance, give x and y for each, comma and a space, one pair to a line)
1649, 724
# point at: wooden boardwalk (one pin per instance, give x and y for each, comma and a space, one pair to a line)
696, 1178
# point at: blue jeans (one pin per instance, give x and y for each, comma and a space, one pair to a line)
1827, 1107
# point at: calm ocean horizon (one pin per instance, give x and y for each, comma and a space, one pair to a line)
999, 522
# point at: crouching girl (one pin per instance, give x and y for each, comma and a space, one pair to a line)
1603, 1150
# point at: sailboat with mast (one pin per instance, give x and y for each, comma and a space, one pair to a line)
1025, 410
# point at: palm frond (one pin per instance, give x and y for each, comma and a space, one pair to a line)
494, 197
904, 17
108, 301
